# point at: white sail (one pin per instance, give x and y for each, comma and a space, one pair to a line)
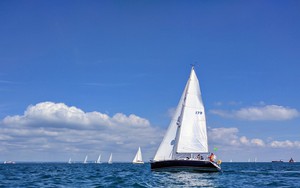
110, 159
85, 160
165, 149
187, 131
138, 157
192, 136
99, 159
70, 161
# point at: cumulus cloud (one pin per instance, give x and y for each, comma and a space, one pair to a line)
285, 144
229, 137
46, 113
267, 112
49, 126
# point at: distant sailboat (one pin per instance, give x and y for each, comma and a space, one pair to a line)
99, 159
280, 161
85, 160
186, 136
291, 160
9, 162
138, 157
110, 159
70, 161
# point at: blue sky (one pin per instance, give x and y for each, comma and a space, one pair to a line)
88, 77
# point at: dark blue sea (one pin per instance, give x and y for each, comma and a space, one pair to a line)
130, 175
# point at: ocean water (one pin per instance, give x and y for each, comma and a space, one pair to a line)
130, 175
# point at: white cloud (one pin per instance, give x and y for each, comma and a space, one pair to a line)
224, 136
268, 112
228, 137
285, 144
258, 142
56, 127
244, 140
45, 113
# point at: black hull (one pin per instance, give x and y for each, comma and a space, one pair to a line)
183, 165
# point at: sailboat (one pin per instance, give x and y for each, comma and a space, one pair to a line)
138, 157
85, 160
70, 161
99, 159
186, 136
110, 159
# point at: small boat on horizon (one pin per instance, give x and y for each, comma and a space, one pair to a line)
85, 160
291, 160
9, 162
138, 157
98, 160
110, 159
280, 161
70, 161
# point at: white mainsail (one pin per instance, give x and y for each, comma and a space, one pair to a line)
110, 159
70, 161
138, 157
187, 131
85, 160
99, 159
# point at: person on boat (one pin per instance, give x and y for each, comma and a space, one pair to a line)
212, 157
198, 156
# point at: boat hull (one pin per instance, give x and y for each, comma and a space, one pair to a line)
185, 165
138, 162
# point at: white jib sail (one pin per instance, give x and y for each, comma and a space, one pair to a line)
165, 150
138, 156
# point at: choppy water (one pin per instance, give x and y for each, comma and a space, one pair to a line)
129, 175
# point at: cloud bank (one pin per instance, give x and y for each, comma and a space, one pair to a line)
267, 112
56, 127
55, 131
229, 137
46, 113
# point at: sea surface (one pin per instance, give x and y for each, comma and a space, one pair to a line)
130, 175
